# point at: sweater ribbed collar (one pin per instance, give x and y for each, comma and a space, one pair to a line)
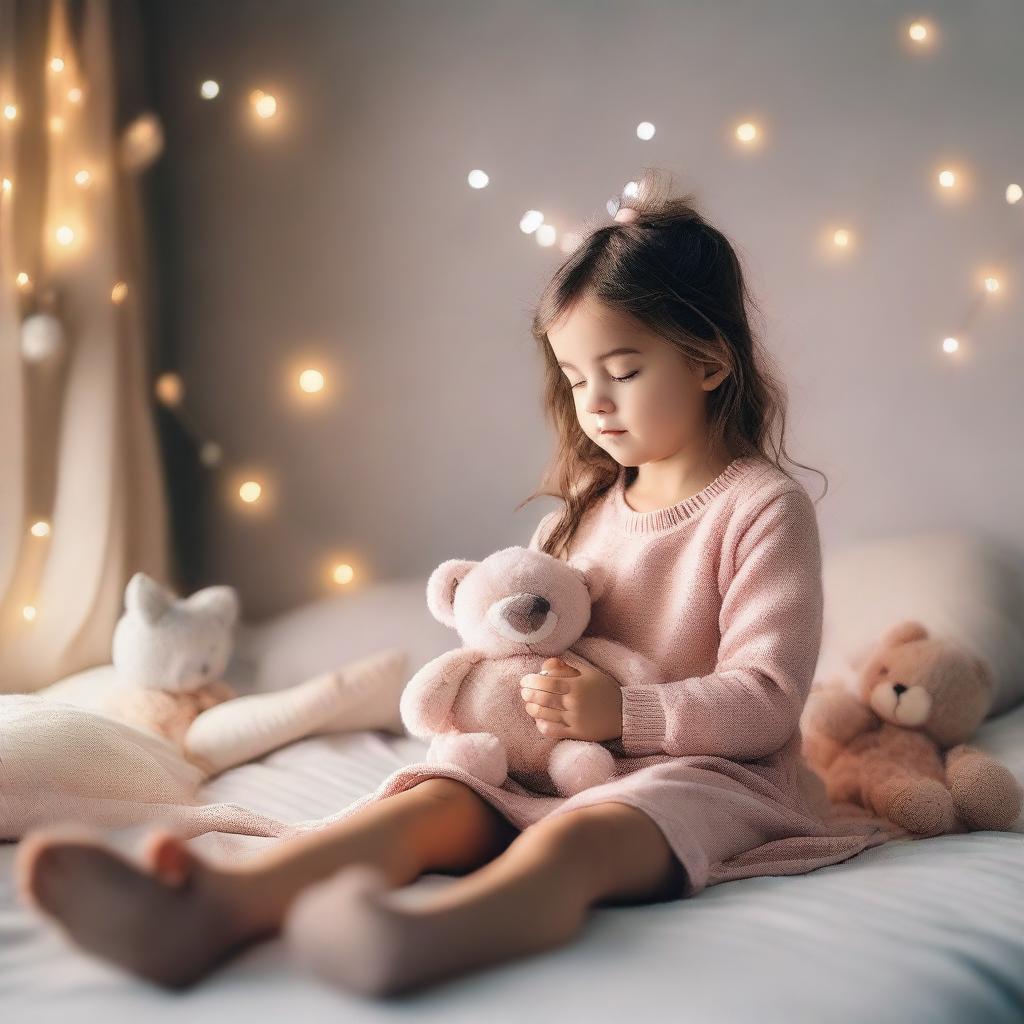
657, 520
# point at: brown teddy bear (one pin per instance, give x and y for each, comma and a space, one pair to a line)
897, 747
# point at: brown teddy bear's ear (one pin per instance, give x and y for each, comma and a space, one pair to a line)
904, 633
441, 588
593, 575
985, 672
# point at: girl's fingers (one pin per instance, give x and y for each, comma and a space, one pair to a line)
549, 684
544, 699
545, 714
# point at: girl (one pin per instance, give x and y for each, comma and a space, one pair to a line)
664, 410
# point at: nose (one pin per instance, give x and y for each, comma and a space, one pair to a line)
899, 688
526, 613
541, 604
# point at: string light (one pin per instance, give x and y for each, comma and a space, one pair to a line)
950, 345
75, 95
64, 235
210, 454
57, 125
478, 179
1014, 194
343, 573
209, 89
250, 492
918, 31
7, 185
40, 528
170, 389
28, 613
545, 235
10, 111
83, 179
23, 280
991, 284
645, 130
746, 132
841, 237
311, 381
530, 221
947, 179
264, 104
119, 293
57, 64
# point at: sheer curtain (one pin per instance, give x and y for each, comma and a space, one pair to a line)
82, 500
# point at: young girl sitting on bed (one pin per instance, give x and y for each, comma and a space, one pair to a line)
665, 411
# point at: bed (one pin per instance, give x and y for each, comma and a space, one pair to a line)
912, 930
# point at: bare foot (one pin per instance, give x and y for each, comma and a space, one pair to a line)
171, 927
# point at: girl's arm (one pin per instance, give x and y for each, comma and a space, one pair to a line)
770, 625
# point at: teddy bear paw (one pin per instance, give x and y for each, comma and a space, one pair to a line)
576, 765
481, 754
922, 806
986, 794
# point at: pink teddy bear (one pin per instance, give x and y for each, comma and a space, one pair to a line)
513, 610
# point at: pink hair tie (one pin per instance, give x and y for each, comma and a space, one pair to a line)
626, 214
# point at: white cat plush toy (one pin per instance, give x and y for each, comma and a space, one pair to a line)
169, 655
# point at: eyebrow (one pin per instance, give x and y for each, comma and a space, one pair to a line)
608, 355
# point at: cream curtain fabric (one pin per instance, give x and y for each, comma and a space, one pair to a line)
77, 441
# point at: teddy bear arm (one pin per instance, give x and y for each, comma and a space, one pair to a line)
427, 700
838, 715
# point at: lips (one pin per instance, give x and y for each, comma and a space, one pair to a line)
612, 431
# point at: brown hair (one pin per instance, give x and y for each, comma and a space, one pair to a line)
677, 274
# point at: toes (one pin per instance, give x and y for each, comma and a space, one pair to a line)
167, 856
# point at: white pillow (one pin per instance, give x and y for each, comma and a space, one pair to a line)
961, 586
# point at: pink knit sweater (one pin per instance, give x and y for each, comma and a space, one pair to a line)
723, 591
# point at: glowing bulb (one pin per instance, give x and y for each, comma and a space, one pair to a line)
841, 237
570, 241
950, 344
10, 111
8, 184
57, 64
28, 613
1014, 194
119, 293
75, 95
83, 179
918, 32
210, 454
746, 132
991, 284
169, 389
530, 221
311, 381
477, 179
56, 125
209, 89
23, 280
41, 529
343, 574
64, 235
264, 103
546, 235
947, 179
645, 130
250, 492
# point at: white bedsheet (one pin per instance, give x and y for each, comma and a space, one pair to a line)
929, 930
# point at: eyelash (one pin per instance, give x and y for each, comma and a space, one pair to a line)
621, 380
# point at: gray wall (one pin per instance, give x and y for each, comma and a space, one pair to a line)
352, 233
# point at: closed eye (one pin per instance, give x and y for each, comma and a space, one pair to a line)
621, 380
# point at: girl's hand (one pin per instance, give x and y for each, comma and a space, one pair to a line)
572, 704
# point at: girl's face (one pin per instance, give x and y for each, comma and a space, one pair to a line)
624, 377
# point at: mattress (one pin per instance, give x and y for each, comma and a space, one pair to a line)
913, 930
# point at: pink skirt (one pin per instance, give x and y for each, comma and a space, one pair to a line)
723, 819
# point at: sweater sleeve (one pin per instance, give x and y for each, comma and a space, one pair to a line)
770, 635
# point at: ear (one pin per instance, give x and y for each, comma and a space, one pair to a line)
147, 598
985, 673
441, 588
221, 602
593, 575
904, 633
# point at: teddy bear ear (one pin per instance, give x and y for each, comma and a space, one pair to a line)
220, 601
592, 573
441, 588
146, 597
904, 633
985, 672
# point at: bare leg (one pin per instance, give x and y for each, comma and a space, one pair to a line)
174, 925
533, 897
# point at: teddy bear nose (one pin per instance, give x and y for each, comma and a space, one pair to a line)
527, 612
899, 688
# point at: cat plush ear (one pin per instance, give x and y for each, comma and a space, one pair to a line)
441, 588
147, 598
220, 601
593, 575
